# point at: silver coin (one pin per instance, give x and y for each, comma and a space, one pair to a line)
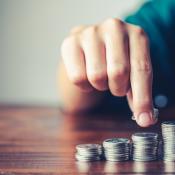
88, 152
168, 123
116, 149
116, 152
144, 135
115, 142
168, 134
88, 146
144, 146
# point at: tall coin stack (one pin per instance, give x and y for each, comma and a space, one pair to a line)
116, 149
144, 146
168, 134
88, 152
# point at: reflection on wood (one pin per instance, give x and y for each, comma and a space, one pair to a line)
42, 140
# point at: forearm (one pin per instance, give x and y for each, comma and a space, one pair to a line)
72, 97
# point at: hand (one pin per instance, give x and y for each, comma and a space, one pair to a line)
112, 55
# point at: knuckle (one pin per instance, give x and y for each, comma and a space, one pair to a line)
119, 73
89, 31
76, 29
77, 79
119, 23
139, 33
88, 35
120, 78
112, 24
118, 92
138, 30
142, 66
110, 21
67, 42
97, 77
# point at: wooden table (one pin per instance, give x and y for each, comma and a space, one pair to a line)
41, 140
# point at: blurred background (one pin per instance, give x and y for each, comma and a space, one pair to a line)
31, 32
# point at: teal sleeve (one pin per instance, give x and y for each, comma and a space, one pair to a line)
157, 18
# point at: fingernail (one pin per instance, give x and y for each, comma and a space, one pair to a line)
145, 119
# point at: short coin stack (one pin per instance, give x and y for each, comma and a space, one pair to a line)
88, 152
168, 134
144, 146
116, 149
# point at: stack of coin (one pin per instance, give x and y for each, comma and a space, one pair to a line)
168, 134
144, 146
88, 152
116, 149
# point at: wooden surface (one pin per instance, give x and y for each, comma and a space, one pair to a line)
38, 140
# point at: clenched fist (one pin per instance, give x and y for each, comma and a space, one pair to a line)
112, 55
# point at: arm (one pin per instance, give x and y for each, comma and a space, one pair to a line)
114, 56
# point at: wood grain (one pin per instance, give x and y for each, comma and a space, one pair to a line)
41, 140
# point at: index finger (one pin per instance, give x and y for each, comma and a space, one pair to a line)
141, 77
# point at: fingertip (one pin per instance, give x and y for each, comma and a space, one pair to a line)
145, 119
